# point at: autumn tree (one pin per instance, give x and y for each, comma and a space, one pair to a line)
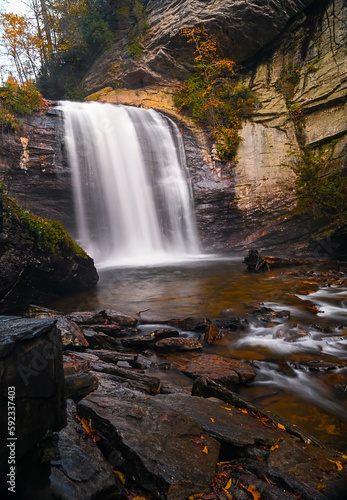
212, 94
21, 44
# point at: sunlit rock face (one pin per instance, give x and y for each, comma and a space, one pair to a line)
242, 27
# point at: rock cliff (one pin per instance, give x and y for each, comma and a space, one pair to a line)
293, 57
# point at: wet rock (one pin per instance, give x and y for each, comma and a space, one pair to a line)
164, 333
32, 378
207, 388
78, 380
327, 363
118, 318
228, 321
111, 330
191, 324
99, 340
309, 463
291, 335
104, 317
82, 471
227, 424
177, 344
265, 315
225, 371
111, 356
252, 479
165, 451
212, 333
140, 342
129, 377
85, 317
71, 334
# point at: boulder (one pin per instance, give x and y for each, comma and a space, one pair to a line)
29, 273
165, 452
32, 389
226, 423
225, 371
128, 377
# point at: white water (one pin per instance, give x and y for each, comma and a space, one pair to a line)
133, 199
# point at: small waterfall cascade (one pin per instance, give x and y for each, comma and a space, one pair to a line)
133, 198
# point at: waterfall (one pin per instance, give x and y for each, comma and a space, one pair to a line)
133, 197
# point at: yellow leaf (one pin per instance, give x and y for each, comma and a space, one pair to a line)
244, 411
338, 465
253, 490
280, 426
273, 447
205, 450
226, 408
212, 419
344, 456
120, 475
227, 486
229, 497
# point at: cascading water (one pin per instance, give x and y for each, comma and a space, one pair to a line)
133, 199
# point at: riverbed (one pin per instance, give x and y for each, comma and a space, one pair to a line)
299, 356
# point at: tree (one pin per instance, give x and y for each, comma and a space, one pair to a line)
212, 95
21, 44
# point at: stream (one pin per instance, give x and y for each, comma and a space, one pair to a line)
299, 356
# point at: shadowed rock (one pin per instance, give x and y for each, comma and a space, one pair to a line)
165, 451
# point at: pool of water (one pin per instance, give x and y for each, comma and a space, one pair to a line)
316, 329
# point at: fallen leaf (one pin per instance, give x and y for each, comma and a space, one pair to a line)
229, 497
205, 450
321, 486
274, 447
212, 419
254, 492
344, 456
120, 475
243, 411
226, 408
280, 426
338, 465
227, 486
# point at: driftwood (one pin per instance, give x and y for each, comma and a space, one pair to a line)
257, 263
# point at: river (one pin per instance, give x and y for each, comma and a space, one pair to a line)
299, 357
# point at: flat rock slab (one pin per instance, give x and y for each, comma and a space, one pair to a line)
224, 371
177, 344
82, 471
129, 377
224, 422
165, 451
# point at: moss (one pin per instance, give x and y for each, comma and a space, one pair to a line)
320, 192
49, 235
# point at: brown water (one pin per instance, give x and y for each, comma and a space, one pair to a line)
314, 400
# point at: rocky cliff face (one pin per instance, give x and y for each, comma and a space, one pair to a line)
243, 28
299, 77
